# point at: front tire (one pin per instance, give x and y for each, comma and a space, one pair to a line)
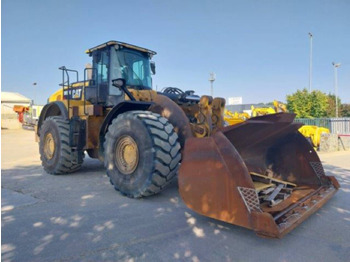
142, 153
56, 155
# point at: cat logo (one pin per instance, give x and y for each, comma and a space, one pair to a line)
74, 94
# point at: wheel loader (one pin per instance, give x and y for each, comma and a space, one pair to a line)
278, 107
313, 134
239, 117
261, 174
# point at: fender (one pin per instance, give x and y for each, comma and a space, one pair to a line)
117, 110
56, 108
176, 116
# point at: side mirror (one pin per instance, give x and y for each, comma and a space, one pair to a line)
118, 83
153, 67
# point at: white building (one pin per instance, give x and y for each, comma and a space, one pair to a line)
238, 100
8, 116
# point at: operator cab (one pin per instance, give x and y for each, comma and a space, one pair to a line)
113, 60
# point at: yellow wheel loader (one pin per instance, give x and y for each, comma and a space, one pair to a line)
262, 111
278, 107
313, 134
235, 118
261, 174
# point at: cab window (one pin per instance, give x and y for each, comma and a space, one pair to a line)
101, 62
138, 70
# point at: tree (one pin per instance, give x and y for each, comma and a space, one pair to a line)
331, 106
308, 105
319, 104
345, 110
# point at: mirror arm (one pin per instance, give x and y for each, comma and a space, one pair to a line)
127, 92
121, 84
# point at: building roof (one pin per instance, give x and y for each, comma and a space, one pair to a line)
14, 97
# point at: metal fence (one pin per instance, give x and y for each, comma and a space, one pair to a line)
335, 125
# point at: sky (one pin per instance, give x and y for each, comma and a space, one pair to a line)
258, 49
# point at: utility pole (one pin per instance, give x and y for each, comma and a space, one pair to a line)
211, 80
34, 85
310, 67
336, 65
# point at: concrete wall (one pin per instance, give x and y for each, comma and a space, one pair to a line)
333, 142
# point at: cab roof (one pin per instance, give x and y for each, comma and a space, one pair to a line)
113, 42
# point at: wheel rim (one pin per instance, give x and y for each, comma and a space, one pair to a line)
49, 146
126, 155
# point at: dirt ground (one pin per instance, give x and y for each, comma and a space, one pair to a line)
80, 217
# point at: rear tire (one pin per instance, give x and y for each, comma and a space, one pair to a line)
142, 153
56, 155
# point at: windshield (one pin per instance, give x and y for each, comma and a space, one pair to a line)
131, 65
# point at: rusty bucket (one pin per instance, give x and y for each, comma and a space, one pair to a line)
261, 174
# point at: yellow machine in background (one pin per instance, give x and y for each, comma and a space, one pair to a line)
278, 107
238, 117
261, 111
235, 118
313, 134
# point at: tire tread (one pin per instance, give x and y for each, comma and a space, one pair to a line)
68, 161
166, 150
